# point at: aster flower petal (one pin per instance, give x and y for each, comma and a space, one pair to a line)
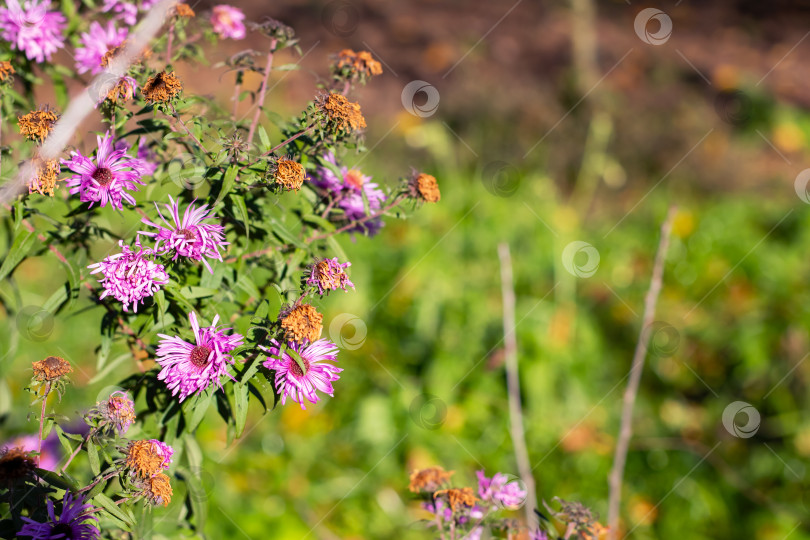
189, 368
297, 384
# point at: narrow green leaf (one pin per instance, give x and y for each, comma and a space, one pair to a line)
61, 482
23, 243
240, 398
92, 455
241, 210
200, 408
228, 181
110, 506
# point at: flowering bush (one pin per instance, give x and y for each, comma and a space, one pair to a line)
177, 216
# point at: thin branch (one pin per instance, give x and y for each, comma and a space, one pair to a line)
42, 423
630, 393
516, 428
268, 69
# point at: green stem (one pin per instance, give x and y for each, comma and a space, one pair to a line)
42, 423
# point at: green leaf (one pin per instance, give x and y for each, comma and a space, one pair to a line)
199, 409
197, 292
109, 367
228, 181
194, 454
95, 490
23, 243
61, 482
241, 209
264, 139
92, 455
110, 506
240, 398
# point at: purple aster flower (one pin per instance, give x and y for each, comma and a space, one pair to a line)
500, 491
129, 276
51, 448
227, 21
72, 522
148, 160
32, 28
125, 11
317, 374
347, 191
538, 535
328, 275
95, 44
189, 236
192, 367
108, 179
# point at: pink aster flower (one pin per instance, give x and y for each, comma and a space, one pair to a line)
130, 276
348, 189
32, 28
328, 275
125, 11
189, 368
190, 236
317, 374
51, 448
95, 44
147, 158
227, 21
115, 414
538, 535
499, 491
108, 179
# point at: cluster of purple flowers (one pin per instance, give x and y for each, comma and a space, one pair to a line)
130, 276
496, 493
352, 192
32, 28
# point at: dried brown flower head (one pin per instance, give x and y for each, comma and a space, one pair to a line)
6, 70
15, 464
46, 177
425, 187
123, 91
162, 87
36, 125
158, 490
289, 174
144, 458
429, 480
183, 10
51, 368
340, 112
358, 63
458, 497
302, 322
112, 53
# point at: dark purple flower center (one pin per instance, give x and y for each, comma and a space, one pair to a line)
199, 356
62, 528
187, 234
103, 176
295, 368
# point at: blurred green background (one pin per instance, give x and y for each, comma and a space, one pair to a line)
560, 125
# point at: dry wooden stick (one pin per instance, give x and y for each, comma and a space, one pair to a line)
630, 393
516, 428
